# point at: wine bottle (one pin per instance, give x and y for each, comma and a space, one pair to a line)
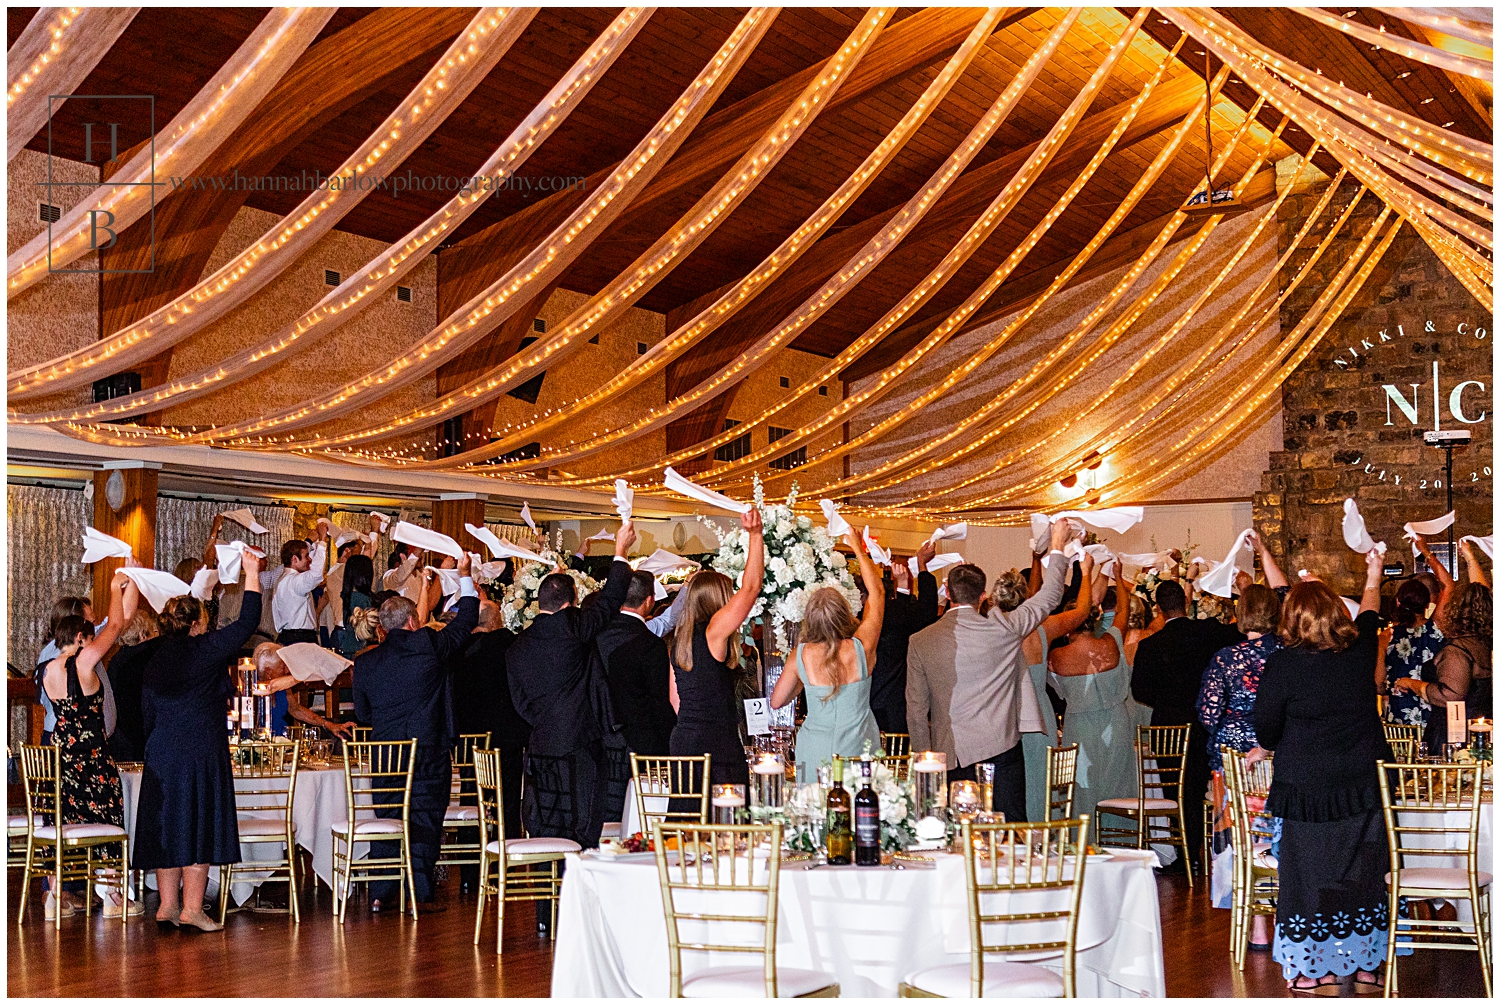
866, 820
838, 837
247, 698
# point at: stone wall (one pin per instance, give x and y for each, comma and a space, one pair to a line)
1348, 410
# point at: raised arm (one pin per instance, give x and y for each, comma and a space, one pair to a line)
1034, 581
429, 596
1438, 569
925, 588
667, 620
123, 597
873, 616
217, 647
450, 640
1471, 562
1275, 578
789, 685
733, 614
1374, 573
1058, 625
211, 556
371, 543
1034, 610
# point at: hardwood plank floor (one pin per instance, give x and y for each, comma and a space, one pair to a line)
386, 955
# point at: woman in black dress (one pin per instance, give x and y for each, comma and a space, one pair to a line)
1315, 708
127, 668
705, 653
186, 817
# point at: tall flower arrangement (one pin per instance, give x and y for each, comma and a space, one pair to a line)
519, 605
800, 559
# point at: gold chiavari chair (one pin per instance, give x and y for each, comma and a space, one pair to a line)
518, 869
1206, 846
896, 744
1026, 864
1160, 757
463, 804
1403, 749
1255, 881
265, 783
376, 774
680, 779
1062, 778
1433, 811
66, 852
1403, 731
704, 882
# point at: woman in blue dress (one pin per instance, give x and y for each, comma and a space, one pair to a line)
1413, 643
833, 662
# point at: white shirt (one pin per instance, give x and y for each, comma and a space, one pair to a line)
291, 602
402, 581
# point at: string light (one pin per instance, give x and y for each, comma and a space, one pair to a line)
55, 53
1483, 69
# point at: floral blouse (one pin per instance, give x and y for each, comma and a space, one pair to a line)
1409, 655
1228, 695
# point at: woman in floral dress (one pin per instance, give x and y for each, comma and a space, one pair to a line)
1414, 640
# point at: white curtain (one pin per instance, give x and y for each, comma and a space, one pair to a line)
44, 537
182, 527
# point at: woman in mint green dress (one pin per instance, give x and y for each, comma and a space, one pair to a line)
833, 662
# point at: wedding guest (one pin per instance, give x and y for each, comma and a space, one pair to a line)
65, 607
968, 692
905, 615
402, 690
90, 783
399, 573
482, 704
1410, 645
357, 592
332, 618
1091, 673
832, 664
1463, 669
127, 670
636, 665
576, 763
1315, 707
705, 658
292, 611
186, 818
1168, 677
277, 677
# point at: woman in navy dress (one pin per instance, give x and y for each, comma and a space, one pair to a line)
186, 819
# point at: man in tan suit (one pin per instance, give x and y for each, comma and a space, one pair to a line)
965, 677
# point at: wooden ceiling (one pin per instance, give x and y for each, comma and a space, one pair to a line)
675, 43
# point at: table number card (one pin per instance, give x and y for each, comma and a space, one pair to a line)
1458, 723
757, 716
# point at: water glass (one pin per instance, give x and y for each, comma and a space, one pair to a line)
984, 775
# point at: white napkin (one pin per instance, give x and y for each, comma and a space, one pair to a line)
426, 540
310, 661
1241, 558
449, 578
204, 581
837, 525
385, 521
489, 537
1103, 557
526, 515
245, 519
603, 535
323, 521
1041, 534
624, 499
488, 572
936, 562
955, 532
1427, 527
346, 537
1351, 606
878, 555
1355, 535
1485, 544
157, 587
1120, 519
660, 562
97, 546
1147, 560
682, 486
230, 556
661, 591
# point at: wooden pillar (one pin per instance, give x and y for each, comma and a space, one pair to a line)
132, 521
454, 509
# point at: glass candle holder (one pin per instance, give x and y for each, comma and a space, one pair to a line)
1480, 732
728, 801
768, 776
963, 800
984, 777
929, 772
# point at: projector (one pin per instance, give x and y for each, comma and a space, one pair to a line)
1447, 437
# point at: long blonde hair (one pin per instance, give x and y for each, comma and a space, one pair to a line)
707, 593
828, 621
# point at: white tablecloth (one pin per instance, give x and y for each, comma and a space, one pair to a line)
318, 804
630, 819
871, 928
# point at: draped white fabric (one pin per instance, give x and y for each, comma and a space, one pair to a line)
42, 534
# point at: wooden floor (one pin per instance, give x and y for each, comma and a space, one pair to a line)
386, 955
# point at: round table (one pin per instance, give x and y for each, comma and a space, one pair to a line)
869, 927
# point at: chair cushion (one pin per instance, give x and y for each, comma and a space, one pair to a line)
1001, 980
1135, 804
611, 830
74, 831
455, 812
17, 824
534, 846
750, 982
256, 827
1438, 879
369, 827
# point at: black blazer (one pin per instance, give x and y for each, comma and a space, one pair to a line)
1169, 665
481, 692
635, 663
905, 615
402, 688
549, 670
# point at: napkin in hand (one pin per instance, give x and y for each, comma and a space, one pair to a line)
1428, 527
385, 521
229, 559
1355, 534
1241, 558
449, 578
310, 661
157, 587
501, 548
323, 521
624, 499
526, 515
1485, 544
1119, 519
936, 562
878, 555
1103, 557
97, 546
672, 480
837, 525
1147, 560
1041, 534
661, 591
426, 540
204, 581
660, 562
603, 535
955, 532
245, 519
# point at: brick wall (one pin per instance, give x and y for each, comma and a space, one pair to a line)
1345, 435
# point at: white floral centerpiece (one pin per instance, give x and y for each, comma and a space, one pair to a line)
800, 559
804, 818
519, 605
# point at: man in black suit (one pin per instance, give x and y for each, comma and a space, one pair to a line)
635, 662
573, 762
905, 615
1168, 675
402, 691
